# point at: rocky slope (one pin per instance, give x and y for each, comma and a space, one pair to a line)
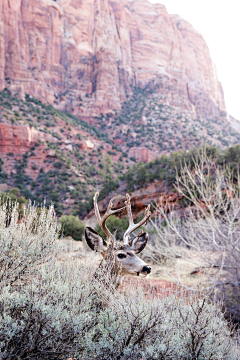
83, 56
52, 155
146, 127
80, 80
55, 156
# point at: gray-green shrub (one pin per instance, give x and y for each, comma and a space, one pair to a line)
43, 319
49, 307
24, 243
54, 315
169, 328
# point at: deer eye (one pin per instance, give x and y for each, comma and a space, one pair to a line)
121, 256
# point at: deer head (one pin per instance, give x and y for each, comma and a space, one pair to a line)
122, 255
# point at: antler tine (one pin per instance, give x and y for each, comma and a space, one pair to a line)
108, 213
133, 226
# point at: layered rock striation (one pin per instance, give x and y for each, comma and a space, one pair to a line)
84, 56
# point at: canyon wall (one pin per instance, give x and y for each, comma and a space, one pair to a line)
85, 56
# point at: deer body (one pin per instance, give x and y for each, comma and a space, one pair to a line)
119, 258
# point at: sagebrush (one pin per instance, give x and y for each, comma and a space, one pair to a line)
49, 311
55, 317
26, 240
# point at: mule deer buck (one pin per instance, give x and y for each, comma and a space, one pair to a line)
119, 257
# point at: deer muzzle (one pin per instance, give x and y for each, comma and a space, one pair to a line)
145, 271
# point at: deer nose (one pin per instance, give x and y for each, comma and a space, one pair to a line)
146, 269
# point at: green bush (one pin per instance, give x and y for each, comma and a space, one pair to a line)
112, 152
72, 226
57, 164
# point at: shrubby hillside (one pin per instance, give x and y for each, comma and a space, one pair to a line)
148, 181
146, 122
52, 156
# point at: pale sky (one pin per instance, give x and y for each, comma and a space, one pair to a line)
219, 23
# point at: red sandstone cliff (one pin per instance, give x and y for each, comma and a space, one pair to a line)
83, 55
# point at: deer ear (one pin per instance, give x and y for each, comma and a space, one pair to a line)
94, 240
139, 243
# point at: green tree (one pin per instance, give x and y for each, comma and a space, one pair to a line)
72, 226
107, 177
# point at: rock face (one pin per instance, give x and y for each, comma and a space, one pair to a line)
84, 56
17, 139
142, 154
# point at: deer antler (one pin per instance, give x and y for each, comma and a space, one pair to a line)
108, 213
133, 226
